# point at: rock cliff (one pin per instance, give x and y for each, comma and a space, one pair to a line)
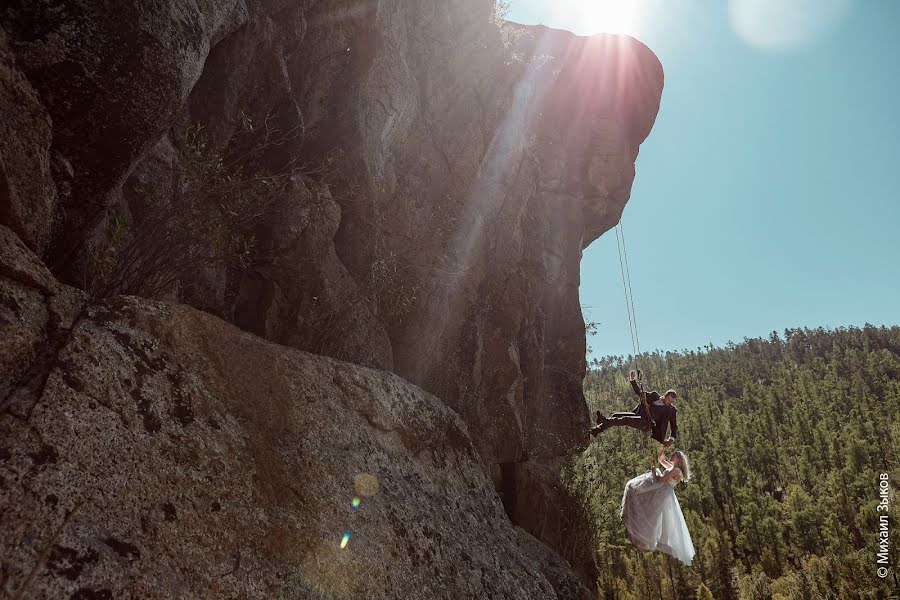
164, 453
442, 172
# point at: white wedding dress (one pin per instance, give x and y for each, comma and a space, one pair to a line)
653, 517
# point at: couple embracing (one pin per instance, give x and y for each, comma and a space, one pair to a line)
650, 509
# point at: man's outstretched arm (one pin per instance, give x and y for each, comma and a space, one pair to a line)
635, 386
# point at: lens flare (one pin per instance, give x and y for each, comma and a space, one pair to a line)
781, 25
345, 539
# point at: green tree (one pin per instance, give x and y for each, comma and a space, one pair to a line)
703, 593
786, 436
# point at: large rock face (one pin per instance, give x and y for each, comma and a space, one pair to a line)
112, 77
485, 168
169, 454
27, 191
445, 173
472, 162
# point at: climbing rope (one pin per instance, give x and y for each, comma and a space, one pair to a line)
632, 316
629, 295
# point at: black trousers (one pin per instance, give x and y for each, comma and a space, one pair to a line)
637, 420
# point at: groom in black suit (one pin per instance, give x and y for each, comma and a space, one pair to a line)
662, 412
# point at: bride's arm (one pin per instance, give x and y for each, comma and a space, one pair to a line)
662, 460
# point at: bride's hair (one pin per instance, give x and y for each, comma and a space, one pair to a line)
683, 464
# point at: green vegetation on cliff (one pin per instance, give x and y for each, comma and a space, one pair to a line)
788, 438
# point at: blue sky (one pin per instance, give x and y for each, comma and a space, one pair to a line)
768, 193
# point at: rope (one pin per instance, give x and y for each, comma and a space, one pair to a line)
630, 293
625, 289
629, 296
629, 305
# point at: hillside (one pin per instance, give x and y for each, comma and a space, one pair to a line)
787, 438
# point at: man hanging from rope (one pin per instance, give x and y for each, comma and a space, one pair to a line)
652, 414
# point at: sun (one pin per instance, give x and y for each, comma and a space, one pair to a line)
603, 16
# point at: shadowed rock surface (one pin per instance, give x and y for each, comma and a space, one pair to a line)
169, 454
445, 172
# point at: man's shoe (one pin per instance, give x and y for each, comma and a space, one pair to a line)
602, 424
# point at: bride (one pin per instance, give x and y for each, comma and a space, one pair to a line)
651, 513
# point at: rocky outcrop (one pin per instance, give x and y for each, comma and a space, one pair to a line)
304, 297
483, 168
111, 77
537, 501
36, 316
443, 171
471, 162
557, 571
27, 191
169, 454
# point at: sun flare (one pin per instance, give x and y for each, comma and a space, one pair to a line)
604, 16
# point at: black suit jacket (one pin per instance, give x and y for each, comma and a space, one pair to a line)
664, 415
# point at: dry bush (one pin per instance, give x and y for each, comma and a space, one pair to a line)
207, 224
